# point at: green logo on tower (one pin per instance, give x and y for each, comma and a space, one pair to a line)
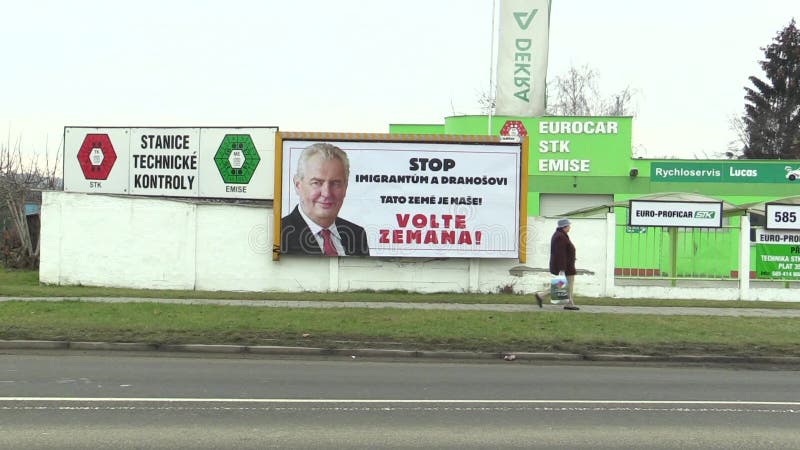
237, 158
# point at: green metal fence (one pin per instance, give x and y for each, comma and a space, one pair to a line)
677, 253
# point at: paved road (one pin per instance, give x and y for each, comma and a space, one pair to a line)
656, 310
106, 400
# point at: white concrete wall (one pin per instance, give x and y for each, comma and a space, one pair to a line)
232, 249
136, 242
120, 241
590, 251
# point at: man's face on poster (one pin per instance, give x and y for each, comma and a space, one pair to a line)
322, 189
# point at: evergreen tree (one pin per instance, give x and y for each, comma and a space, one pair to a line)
772, 111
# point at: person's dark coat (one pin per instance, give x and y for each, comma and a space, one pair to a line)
562, 253
296, 236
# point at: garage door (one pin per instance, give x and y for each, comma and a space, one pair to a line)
557, 204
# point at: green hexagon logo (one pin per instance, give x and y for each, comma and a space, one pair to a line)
237, 158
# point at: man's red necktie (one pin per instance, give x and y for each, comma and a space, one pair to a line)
327, 243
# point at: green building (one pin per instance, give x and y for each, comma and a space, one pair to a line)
585, 164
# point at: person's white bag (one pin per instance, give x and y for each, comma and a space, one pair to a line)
559, 294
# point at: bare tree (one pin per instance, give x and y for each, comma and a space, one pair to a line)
487, 103
740, 142
22, 178
576, 93
619, 104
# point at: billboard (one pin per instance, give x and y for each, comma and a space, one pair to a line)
398, 197
171, 162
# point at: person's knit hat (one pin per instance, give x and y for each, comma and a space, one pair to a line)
563, 223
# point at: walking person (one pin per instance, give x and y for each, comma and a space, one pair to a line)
562, 259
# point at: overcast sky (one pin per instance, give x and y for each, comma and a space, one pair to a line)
359, 65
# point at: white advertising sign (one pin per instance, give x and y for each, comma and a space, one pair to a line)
782, 217
177, 162
675, 214
415, 199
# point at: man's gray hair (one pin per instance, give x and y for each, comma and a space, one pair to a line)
328, 152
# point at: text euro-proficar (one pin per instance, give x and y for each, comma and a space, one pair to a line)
170, 162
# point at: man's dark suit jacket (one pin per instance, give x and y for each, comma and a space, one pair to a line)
296, 237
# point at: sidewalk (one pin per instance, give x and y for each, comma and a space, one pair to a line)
591, 309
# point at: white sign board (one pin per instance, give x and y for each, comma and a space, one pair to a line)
675, 214
782, 217
175, 162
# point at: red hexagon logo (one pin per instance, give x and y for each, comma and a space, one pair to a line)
96, 156
513, 128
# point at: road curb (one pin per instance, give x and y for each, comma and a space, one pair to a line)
538, 356
34, 345
393, 353
203, 348
126, 346
278, 350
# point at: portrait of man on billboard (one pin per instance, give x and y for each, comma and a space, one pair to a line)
314, 226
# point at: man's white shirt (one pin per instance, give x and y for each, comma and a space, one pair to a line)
315, 229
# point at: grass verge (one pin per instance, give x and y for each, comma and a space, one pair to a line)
540, 331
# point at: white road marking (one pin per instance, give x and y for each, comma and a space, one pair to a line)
394, 401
